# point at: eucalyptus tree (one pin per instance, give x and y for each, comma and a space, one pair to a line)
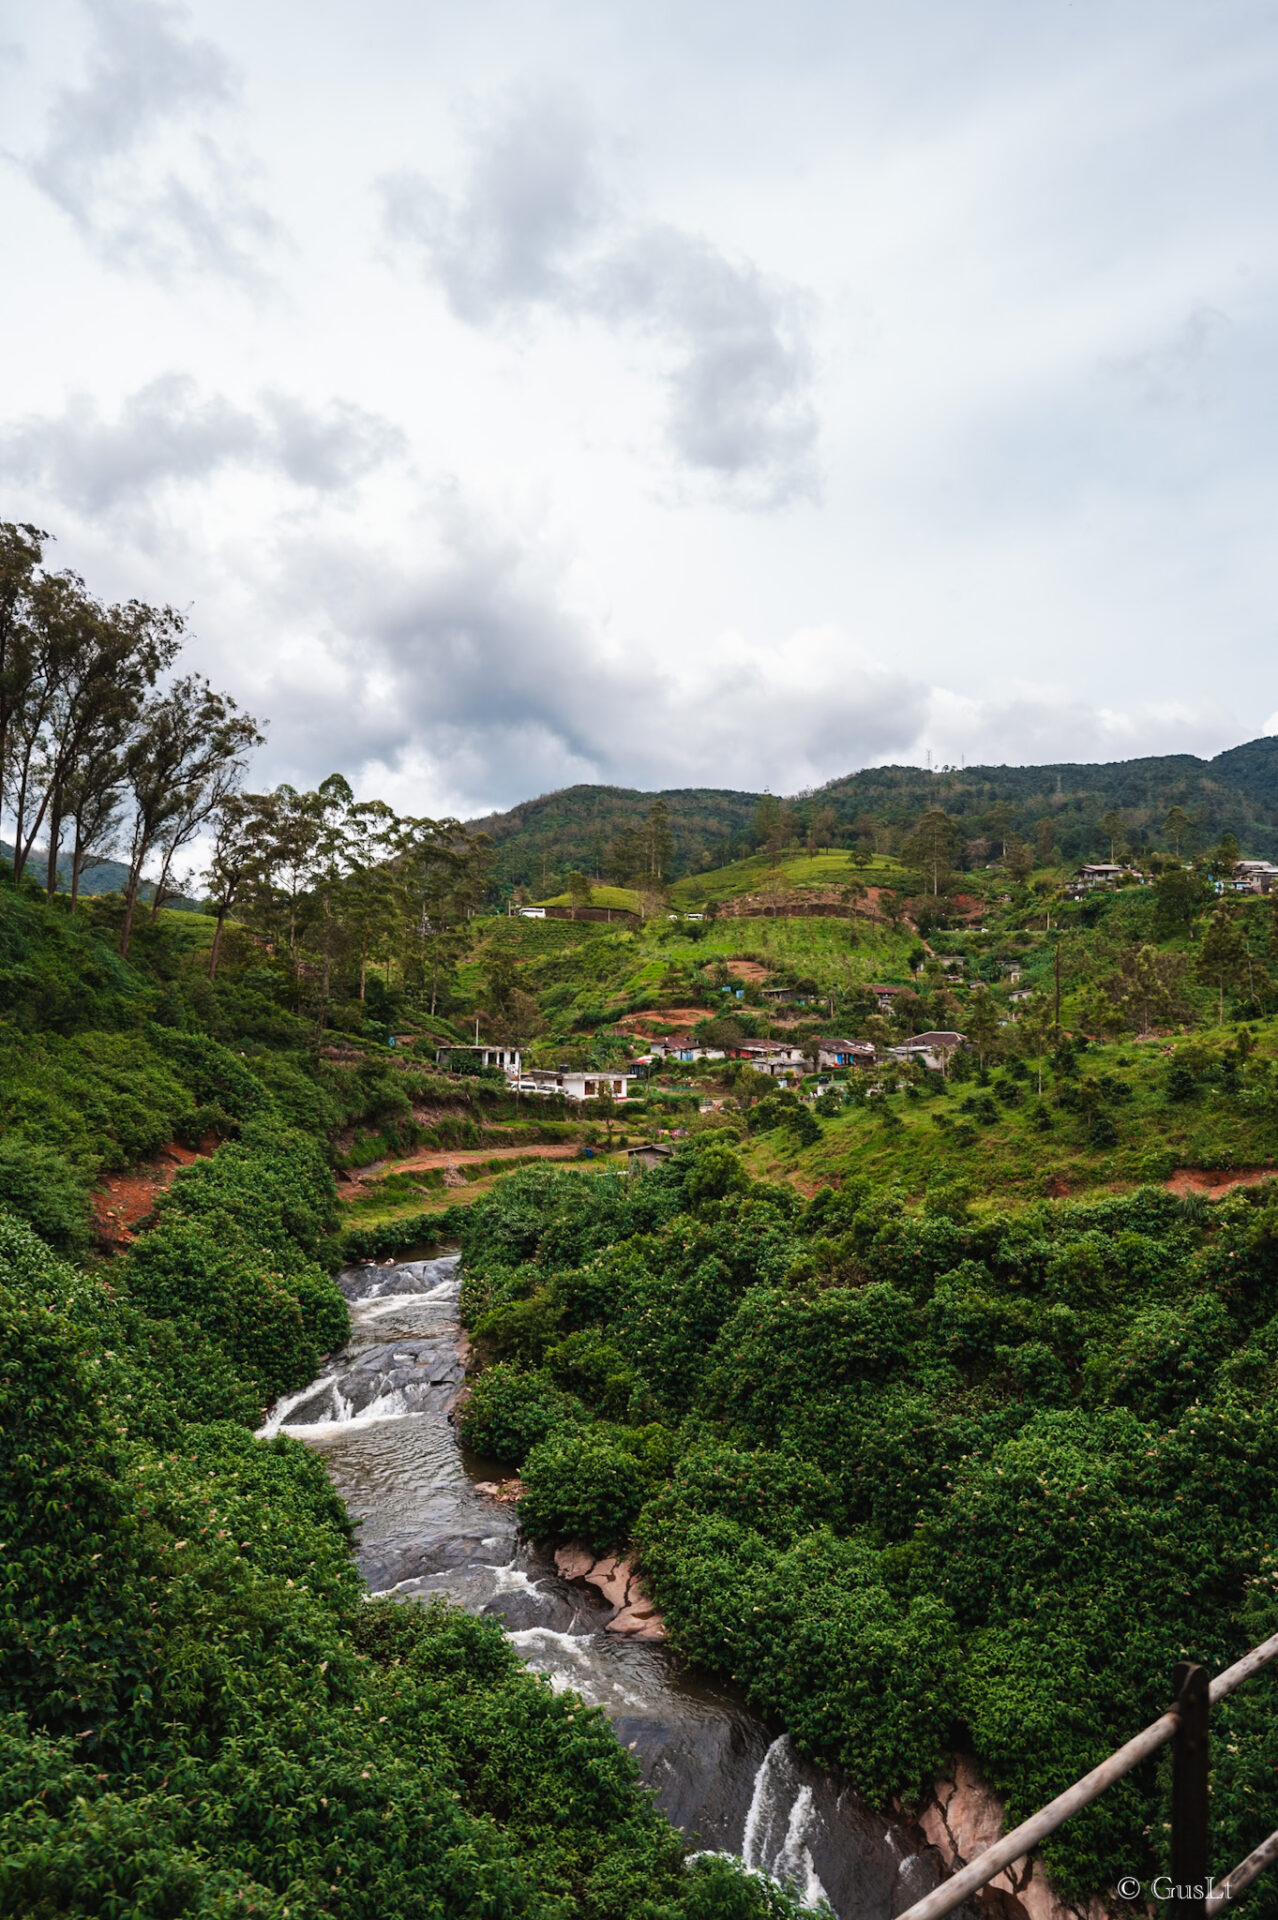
187, 757
109, 659
21, 552
244, 851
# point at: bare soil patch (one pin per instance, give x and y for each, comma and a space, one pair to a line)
470, 1156
124, 1200
1217, 1180
662, 1019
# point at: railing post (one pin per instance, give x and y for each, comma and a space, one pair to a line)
1190, 1822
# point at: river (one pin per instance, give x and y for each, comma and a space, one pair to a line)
379, 1415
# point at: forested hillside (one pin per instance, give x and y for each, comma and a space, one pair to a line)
600, 829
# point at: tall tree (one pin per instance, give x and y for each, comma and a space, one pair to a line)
243, 851
108, 660
933, 849
1115, 831
1045, 843
821, 829
187, 757
767, 819
1221, 960
93, 799
1177, 826
982, 1021
21, 552
660, 840
579, 890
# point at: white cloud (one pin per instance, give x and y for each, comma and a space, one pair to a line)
128, 158
169, 434
531, 228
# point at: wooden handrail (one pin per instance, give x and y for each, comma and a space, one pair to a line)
1023, 1839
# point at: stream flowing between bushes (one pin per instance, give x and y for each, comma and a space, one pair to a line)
379, 1415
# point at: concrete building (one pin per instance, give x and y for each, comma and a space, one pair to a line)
1255, 876
571, 1084
481, 1053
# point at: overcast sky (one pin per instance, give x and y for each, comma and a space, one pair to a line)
720, 394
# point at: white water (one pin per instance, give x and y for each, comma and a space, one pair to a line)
379, 1415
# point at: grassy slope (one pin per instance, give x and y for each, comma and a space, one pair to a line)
620, 899
1010, 1159
834, 953
803, 871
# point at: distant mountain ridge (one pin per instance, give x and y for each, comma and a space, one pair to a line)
100, 876
1235, 792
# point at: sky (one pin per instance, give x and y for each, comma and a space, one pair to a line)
728, 395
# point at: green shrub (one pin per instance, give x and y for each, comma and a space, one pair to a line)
509, 1412
45, 1189
582, 1486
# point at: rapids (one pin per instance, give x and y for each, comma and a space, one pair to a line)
379, 1415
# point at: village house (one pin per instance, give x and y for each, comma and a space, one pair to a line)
571, 1084
653, 1153
845, 1053
766, 1056
482, 1053
675, 1048
1100, 873
1254, 876
935, 1049
886, 995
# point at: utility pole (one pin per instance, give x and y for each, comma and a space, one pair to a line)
1058, 981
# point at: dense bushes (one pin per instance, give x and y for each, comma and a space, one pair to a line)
930, 1480
231, 1257
199, 1712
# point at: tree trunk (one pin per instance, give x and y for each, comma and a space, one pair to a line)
222, 912
160, 887
77, 861
130, 908
55, 845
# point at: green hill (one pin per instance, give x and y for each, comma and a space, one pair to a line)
1236, 792
537, 840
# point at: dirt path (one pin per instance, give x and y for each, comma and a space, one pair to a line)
1217, 1180
467, 1157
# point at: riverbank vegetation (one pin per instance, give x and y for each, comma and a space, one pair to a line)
201, 1712
917, 1482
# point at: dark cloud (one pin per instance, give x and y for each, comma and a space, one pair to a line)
137, 195
530, 228
168, 432
466, 677
741, 404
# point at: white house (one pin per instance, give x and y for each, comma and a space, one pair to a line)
571, 1084
509, 1059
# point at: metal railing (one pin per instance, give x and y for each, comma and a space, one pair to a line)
1187, 1722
